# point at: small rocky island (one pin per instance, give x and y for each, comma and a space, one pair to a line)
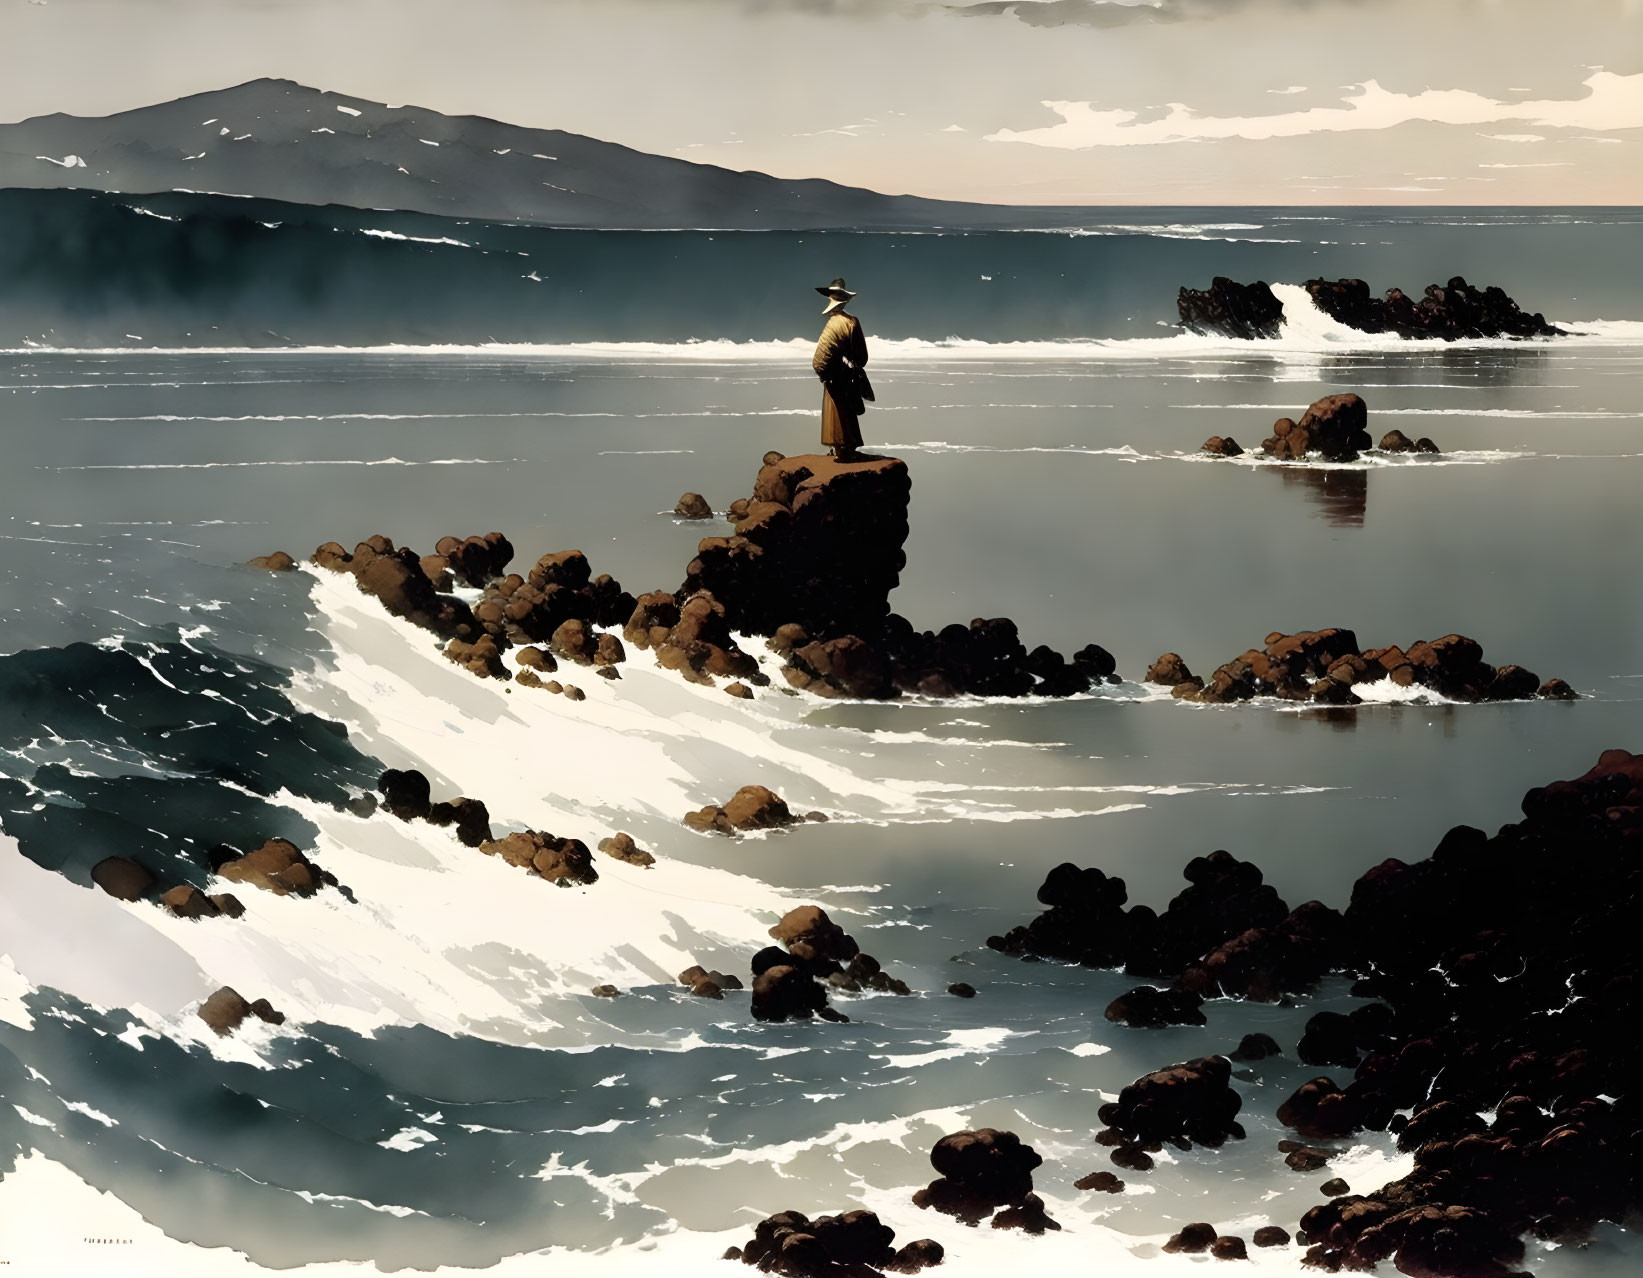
1448, 312
1334, 428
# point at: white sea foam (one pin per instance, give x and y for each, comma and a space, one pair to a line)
1307, 333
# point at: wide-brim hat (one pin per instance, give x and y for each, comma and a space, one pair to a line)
836, 290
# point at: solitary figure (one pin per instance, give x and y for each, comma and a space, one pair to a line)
841, 357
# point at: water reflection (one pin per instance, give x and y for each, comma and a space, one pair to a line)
1340, 496
1428, 363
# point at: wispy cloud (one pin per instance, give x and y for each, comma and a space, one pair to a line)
1611, 102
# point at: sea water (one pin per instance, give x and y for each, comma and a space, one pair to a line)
445, 1092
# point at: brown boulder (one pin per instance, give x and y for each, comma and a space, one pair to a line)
188, 902
754, 807
574, 639
568, 568
843, 667
621, 847
437, 569
693, 506
536, 659
560, 861
808, 929
1222, 446
225, 1011
608, 651
481, 657
279, 561
278, 867
1169, 670
650, 611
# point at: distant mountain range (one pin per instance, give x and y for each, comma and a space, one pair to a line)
277, 139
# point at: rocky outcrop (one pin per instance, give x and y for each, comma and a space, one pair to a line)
1229, 309
853, 1244
753, 807
1087, 923
693, 506
407, 795
278, 866
278, 561
820, 546
815, 554
979, 1172
1189, 1103
816, 956
563, 862
1450, 311
1334, 427
1325, 666
816, 551
621, 847
225, 1011
1222, 446
559, 602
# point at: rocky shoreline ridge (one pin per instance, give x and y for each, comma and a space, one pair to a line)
814, 554
1328, 667
809, 567
1498, 1047
1447, 312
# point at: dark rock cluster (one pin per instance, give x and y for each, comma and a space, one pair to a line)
1447, 311
558, 603
1087, 923
1498, 1045
1508, 973
853, 1244
791, 981
1229, 309
983, 1172
1325, 666
816, 552
407, 795
1189, 1103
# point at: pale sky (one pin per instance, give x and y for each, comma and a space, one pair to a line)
1016, 101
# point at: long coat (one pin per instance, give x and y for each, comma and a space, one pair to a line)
841, 350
